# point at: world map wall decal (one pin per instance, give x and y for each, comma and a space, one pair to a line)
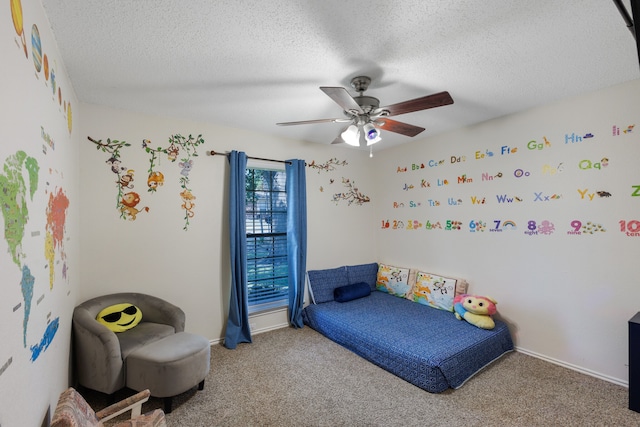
15, 194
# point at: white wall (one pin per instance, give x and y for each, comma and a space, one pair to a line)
154, 255
566, 297
40, 122
560, 293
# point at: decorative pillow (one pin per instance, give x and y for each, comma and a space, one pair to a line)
435, 291
363, 273
394, 280
120, 317
323, 282
351, 292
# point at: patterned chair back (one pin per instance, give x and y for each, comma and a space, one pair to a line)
73, 411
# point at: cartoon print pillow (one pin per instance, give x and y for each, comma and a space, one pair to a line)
435, 291
394, 280
120, 317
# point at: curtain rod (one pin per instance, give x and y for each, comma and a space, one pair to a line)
625, 16
214, 153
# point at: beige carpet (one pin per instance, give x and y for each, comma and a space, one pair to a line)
292, 377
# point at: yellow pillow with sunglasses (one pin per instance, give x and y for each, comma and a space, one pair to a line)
120, 317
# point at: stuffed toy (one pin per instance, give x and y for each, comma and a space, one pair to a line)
475, 309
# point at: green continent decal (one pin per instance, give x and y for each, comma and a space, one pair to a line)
13, 192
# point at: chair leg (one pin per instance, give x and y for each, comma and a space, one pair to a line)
168, 401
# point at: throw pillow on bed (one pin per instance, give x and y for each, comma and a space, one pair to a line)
351, 292
363, 273
394, 280
435, 291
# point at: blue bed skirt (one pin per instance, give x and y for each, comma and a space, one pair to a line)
425, 346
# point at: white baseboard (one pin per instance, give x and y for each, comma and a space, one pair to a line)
580, 369
254, 332
268, 328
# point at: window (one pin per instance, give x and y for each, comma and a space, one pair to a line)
266, 224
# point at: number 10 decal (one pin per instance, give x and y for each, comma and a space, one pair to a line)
630, 228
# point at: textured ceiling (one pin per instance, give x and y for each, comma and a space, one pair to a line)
251, 64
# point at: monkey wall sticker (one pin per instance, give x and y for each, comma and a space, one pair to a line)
126, 201
180, 149
155, 180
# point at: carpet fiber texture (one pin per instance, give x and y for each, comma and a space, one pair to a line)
297, 377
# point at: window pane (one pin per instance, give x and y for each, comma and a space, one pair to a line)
266, 222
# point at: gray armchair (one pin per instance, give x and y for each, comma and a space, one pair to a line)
100, 354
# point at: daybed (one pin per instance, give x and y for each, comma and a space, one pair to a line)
393, 328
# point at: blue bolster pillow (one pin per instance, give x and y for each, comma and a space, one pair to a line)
351, 292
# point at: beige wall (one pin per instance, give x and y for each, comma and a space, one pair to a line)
559, 292
34, 355
153, 254
567, 297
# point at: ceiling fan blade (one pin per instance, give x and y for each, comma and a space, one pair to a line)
342, 98
308, 122
397, 127
418, 104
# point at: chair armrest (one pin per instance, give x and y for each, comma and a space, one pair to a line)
97, 354
133, 404
157, 310
154, 418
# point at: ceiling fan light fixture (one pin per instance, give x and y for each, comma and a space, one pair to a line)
372, 135
373, 141
351, 135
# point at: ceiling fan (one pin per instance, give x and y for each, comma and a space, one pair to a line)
366, 117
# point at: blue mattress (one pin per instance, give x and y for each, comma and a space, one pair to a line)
425, 346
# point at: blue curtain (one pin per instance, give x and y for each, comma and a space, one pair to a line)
296, 188
238, 321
